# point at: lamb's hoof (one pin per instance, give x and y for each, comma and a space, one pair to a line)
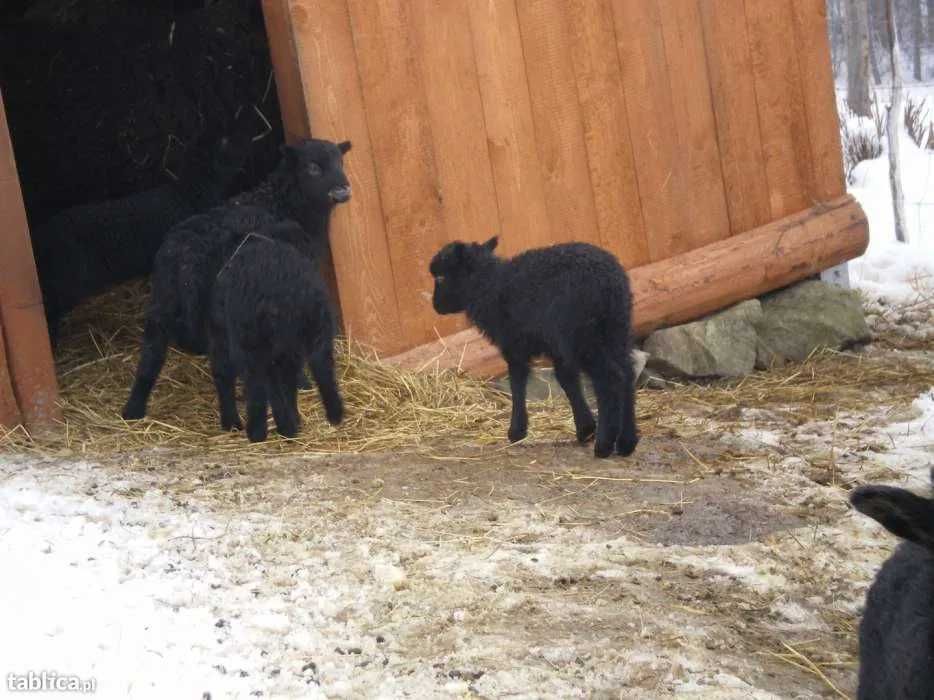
133, 412
256, 434
627, 446
601, 450
231, 426
287, 431
304, 383
517, 434
335, 415
586, 432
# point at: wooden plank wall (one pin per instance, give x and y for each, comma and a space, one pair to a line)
650, 127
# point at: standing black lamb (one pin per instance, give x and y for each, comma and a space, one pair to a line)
896, 634
270, 312
85, 250
305, 187
569, 302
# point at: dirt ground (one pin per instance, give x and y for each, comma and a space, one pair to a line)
721, 560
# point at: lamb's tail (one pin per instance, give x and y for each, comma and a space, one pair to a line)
620, 339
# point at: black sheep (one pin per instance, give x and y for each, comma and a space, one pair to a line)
569, 302
85, 250
306, 185
270, 312
896, 634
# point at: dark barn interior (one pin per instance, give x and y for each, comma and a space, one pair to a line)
105, 98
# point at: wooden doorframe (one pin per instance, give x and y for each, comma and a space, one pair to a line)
28, 387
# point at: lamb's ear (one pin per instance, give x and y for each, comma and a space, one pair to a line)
344, 146
490, 245
899, 511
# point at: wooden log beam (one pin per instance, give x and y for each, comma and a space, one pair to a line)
31, 368
696, 283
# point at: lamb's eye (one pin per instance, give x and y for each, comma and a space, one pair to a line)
439, 279
314, 169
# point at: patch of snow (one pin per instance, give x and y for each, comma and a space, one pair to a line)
912, 443
896, 272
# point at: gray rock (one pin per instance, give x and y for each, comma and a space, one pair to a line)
543, 384
639, 360
810, 315
720, 345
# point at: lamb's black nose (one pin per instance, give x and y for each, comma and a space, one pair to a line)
339, 194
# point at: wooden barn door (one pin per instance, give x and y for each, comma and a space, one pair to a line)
28, 390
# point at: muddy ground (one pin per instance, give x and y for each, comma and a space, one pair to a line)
721, 560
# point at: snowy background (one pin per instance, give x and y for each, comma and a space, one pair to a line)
898, 272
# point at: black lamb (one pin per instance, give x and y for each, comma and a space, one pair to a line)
570, 302
306, 185
270, 312
896, 634
85, 250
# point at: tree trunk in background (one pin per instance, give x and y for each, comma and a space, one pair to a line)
895, 120
930, 21
857, 62
918, 40
874, 60
836, 28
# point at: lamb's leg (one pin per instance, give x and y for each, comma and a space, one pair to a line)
518, 380
282, 398
606, 384
304, 383
255, 384
225, 378
569, 379
151, 360
291, 404
322, 368
628, 431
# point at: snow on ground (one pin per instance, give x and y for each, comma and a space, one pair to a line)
890, 269
162, 578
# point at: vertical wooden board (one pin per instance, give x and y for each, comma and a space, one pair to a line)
504, 90
291, 96
455, 112
592, 40
705, 201
733, 94
442, 41
10, 416
782, 116
556, 114
660, 168
334, 100
816, 70
286, 68
31, 368
397, 116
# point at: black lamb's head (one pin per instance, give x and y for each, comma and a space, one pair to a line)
215, 158
317, 169
454, 269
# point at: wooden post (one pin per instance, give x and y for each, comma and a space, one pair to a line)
31, 368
